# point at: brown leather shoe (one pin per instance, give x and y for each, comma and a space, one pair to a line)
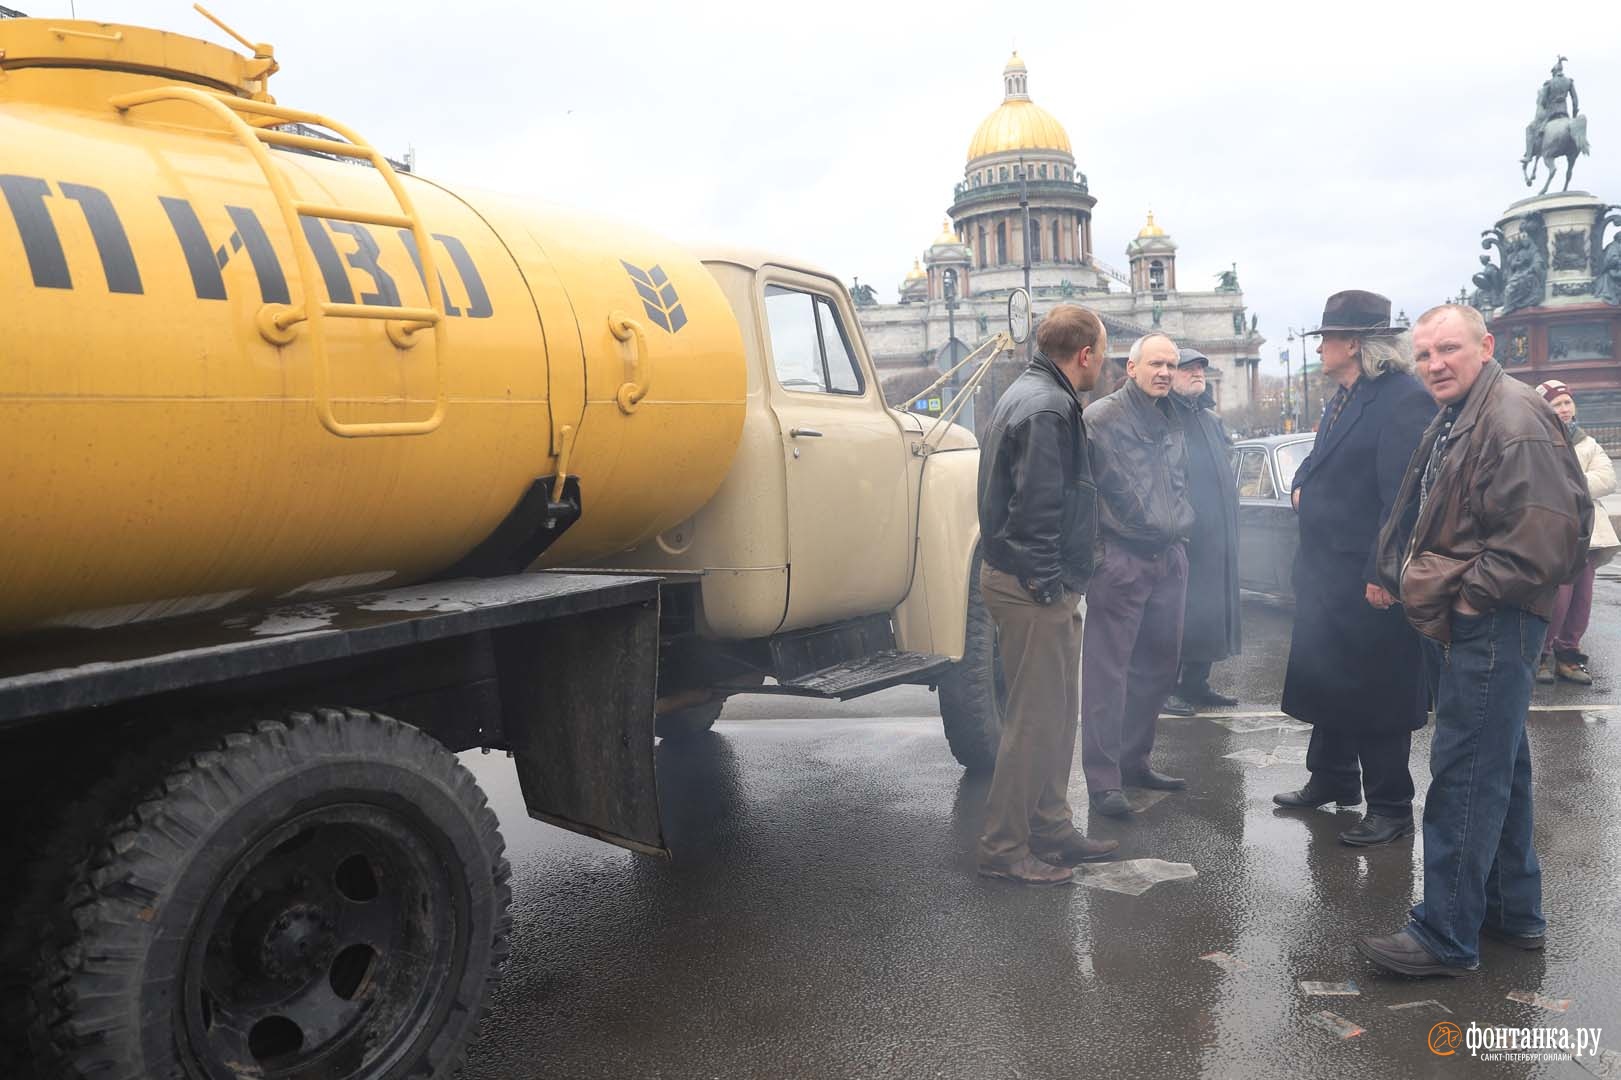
1029, 871
1074, 849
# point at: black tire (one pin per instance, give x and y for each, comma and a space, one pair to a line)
320, 895
688, 722
972, 693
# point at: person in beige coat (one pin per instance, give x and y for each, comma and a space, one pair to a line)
1562, 655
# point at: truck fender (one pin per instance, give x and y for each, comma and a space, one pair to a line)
932, 616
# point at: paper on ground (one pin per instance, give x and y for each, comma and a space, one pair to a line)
1326, 989
1132, 877
1140, 800
1225, 961
1336, 1023
1526, 997
1418, 1005
1606, 1064
1247, 725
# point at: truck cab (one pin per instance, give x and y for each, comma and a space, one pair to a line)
838, 556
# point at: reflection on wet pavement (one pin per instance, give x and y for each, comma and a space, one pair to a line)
822, 918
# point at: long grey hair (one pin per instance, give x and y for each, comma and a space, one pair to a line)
1377, 355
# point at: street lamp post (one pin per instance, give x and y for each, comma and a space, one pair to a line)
1305, 384
1024, 242
1288, 393
948, 282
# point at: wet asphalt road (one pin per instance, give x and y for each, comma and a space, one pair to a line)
822, 918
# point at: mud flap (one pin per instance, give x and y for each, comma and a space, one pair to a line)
577, 710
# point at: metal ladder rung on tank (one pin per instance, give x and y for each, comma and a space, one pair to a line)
279, 323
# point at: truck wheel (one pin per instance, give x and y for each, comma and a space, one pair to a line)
972, 692
323, 895
685, 723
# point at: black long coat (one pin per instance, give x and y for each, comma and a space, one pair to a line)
1351, 665
1210, 623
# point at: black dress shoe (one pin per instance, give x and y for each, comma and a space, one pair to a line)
1072, 850
1530, 943
1154, 780
1402, 953
1376, 829
1311, 797
1111, 803
1209, 697
1176, 705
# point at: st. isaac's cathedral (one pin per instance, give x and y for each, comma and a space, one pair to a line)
984, 244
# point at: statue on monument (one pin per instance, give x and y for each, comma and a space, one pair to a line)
1526, 265
1607, 278
863, 295
1554, 133
1228, 280
1488, 294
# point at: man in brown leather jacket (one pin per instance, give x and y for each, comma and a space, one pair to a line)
1492, 517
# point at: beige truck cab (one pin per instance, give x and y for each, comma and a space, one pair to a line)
840, 555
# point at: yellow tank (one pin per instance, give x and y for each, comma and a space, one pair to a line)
225, 381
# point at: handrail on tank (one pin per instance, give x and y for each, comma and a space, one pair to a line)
277, 325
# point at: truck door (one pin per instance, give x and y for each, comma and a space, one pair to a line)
845, 460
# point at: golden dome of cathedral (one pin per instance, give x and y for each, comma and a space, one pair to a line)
916, 272
1018, 123
1150, 230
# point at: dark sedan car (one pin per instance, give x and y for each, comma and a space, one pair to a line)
1267, 531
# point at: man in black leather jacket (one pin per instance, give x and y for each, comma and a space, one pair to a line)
1037, 522
1134, 606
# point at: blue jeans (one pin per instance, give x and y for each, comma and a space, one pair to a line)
1479, 866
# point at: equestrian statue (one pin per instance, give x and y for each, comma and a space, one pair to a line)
1554, 133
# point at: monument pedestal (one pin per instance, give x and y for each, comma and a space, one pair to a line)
1551, 324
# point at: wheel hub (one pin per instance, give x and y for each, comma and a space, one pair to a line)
296, 944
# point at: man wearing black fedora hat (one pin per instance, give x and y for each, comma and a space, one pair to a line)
1355, 668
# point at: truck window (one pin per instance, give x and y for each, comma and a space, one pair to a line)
810, 352
843, 373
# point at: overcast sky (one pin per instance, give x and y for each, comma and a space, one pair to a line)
1318, 146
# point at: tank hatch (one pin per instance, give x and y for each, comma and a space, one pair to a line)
79, 43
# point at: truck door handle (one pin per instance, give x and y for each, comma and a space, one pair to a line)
804, 433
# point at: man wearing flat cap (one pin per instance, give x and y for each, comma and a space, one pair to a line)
1355, 666
1210, 619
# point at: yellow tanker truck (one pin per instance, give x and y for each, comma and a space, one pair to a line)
316, 473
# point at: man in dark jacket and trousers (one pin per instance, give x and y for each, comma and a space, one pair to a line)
1355, 669
1134, 605
1210, 619
1492, 517
1038, 529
